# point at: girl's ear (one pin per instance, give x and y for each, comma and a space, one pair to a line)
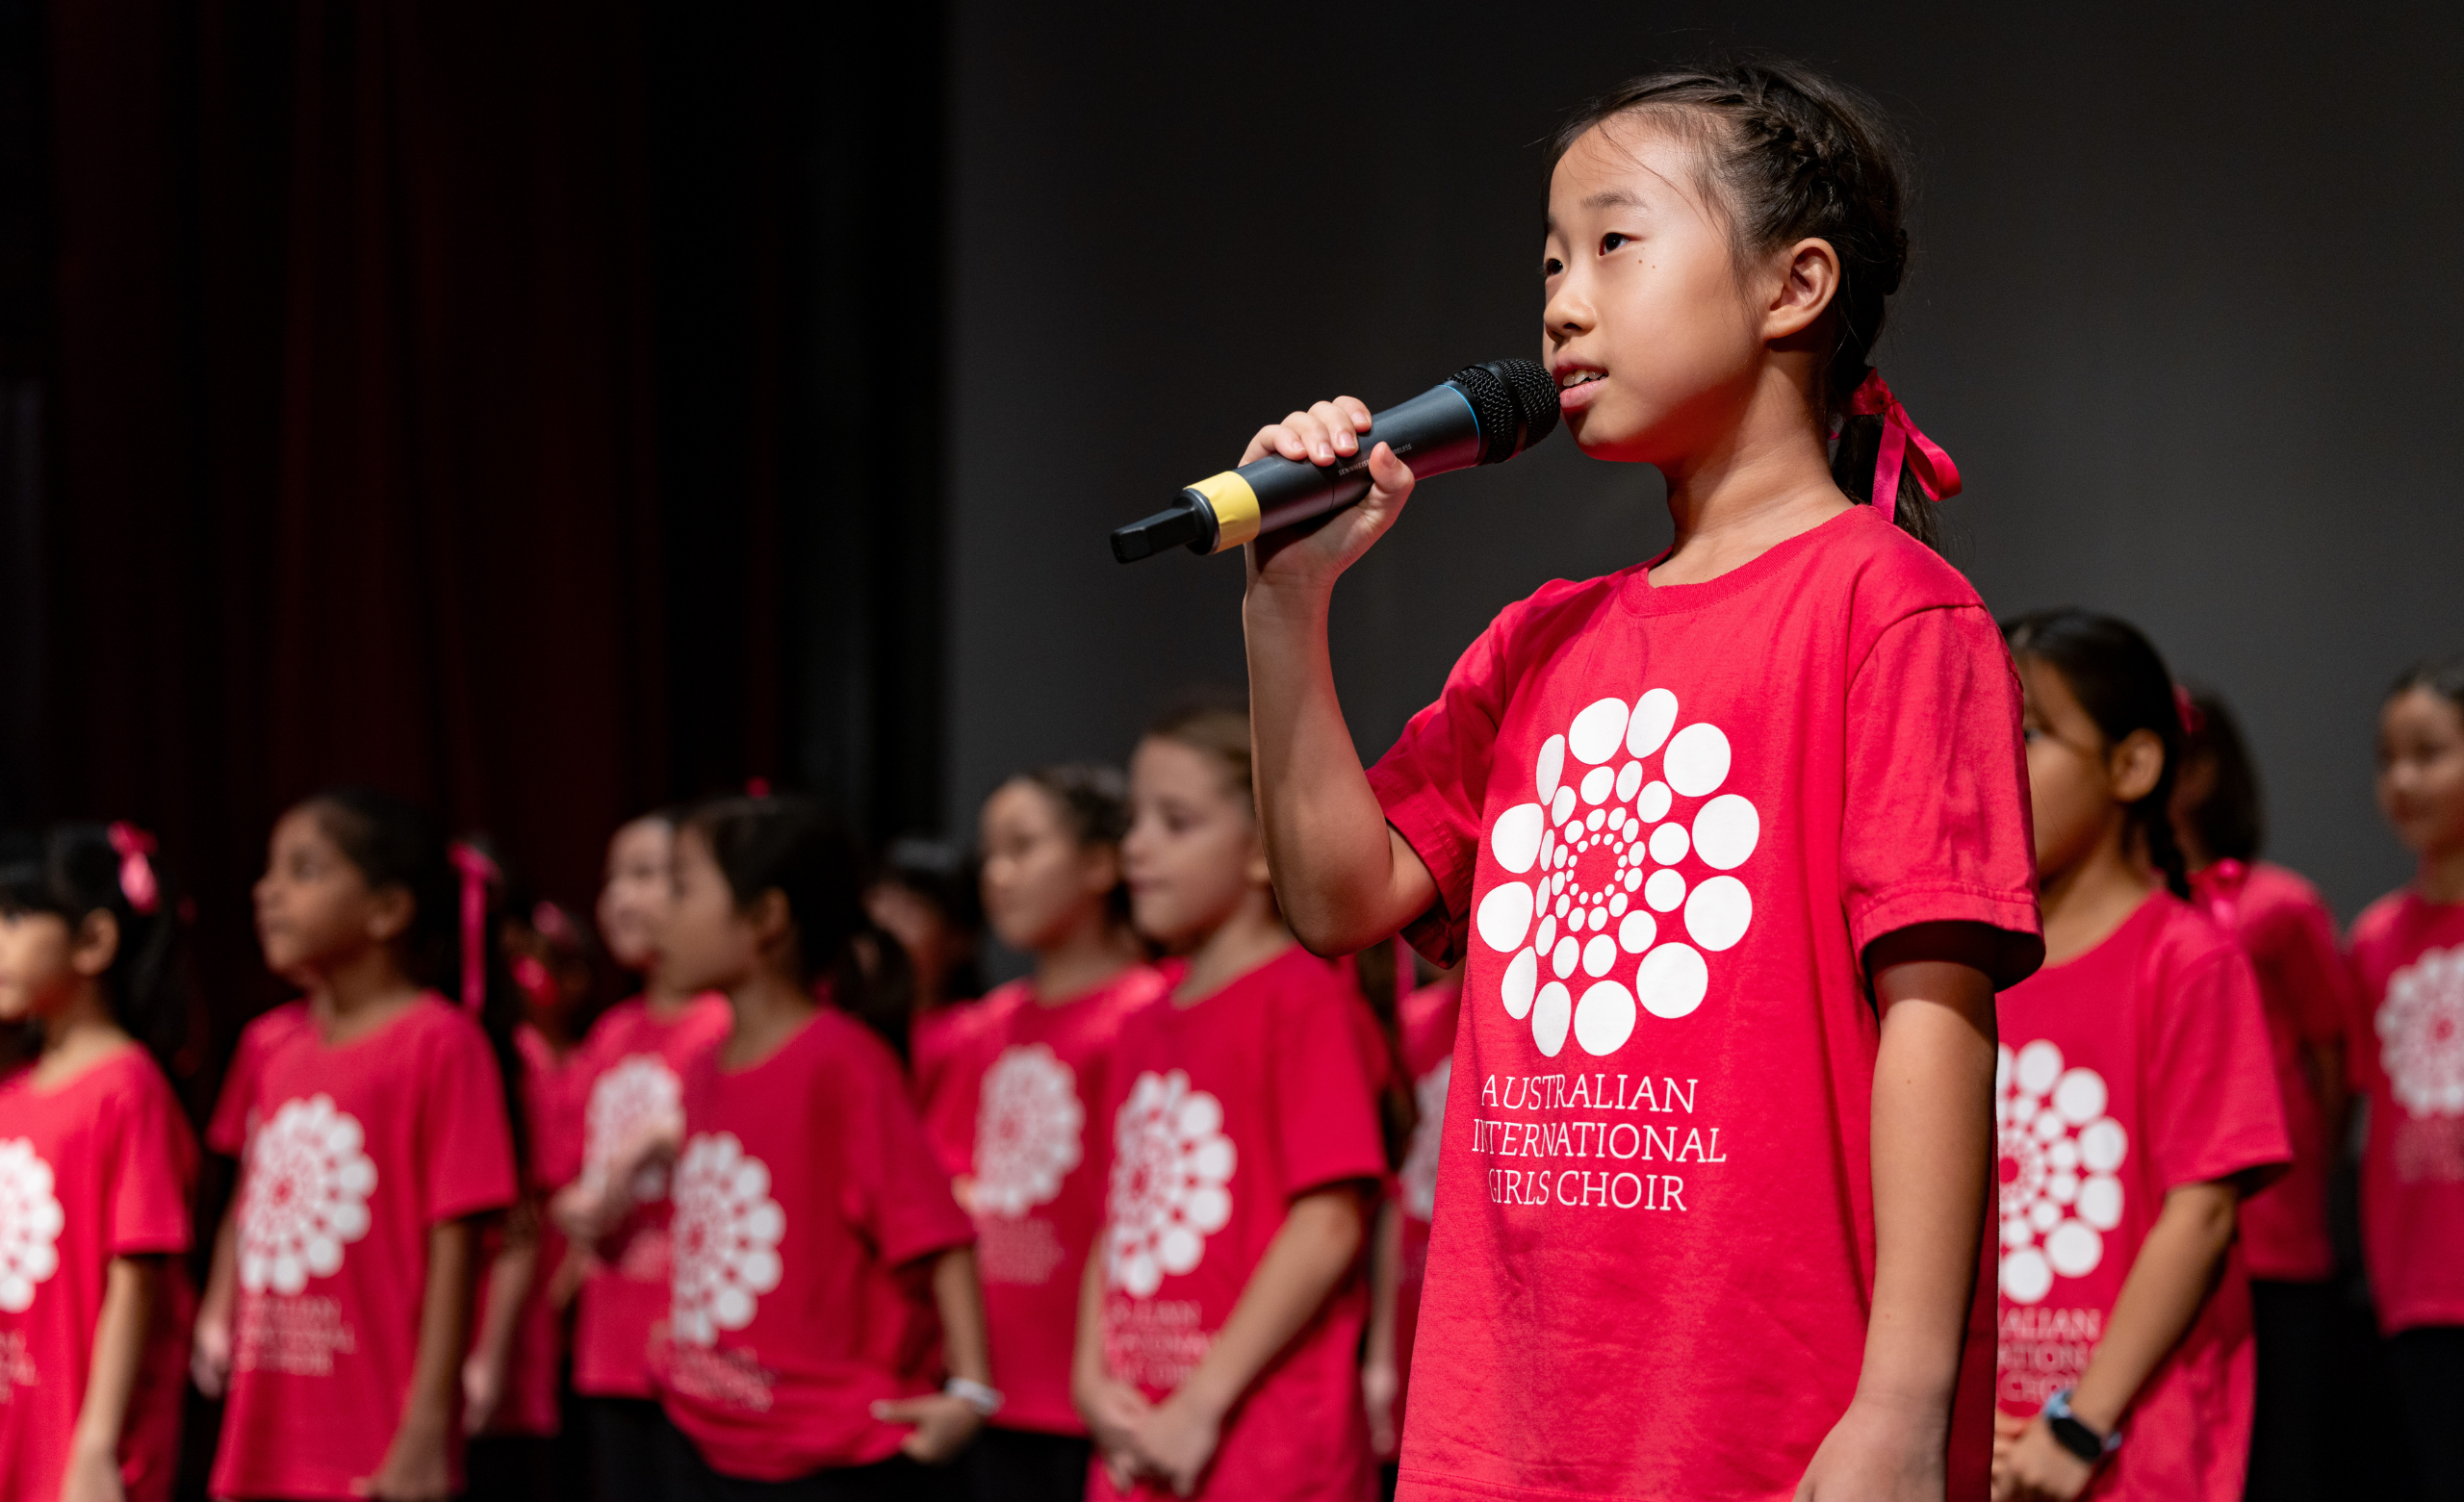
1256, 869
95, 944
2136, 765
389, 913
1102, 869
773, 923
1809, 279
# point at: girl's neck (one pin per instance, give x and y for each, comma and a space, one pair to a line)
1249, 938
2084, 903
77, 1038
360, 994
2440, 878
665, 1002
1088, 956
770, 1007
1768, 483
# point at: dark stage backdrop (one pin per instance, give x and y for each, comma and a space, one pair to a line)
2177, 311
495, 403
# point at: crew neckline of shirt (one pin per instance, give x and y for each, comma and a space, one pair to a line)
23, 1079
1640, 597
2149, 904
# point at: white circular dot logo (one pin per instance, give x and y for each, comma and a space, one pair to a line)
29, 1222
1171, 1164
1615, 879
1419, 1173
726, 1235
638, 1094
2060, 1157
1027, 1127
2420, 1034
306, 1197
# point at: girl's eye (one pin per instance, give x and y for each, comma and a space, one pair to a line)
1611, 241
1552, 267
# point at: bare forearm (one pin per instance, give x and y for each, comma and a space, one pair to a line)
445, 1329
222, 1273
1931, 1150
1344, 880
2168, 1281
130, 1294
1307, 1258
509, 1279
1385, 1276
1087, 1355
956, 1292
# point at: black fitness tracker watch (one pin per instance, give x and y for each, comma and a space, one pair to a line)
2074, 1435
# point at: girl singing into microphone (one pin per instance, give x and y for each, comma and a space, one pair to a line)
1733, 840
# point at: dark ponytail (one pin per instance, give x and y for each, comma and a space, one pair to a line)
76, 870
787, 844
1797, 156
2121, 680
2231, 822
396, 843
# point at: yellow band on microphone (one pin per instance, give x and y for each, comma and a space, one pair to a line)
1235, 507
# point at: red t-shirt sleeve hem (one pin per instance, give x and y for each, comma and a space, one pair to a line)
915, 1249
2014, 917
157, 1243
1417, 815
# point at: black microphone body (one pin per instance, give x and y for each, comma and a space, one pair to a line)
1483, 413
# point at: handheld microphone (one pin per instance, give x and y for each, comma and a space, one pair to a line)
1482, 414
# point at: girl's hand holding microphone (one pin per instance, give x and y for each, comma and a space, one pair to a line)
1310, 558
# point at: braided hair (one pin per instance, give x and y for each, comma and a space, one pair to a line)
2120, 679
1795, 156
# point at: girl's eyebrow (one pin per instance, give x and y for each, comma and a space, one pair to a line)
1614, 198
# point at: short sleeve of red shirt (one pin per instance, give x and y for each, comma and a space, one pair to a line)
1432, 779
157, 1162
468, 1163
2297, 940
227, 1131
2217, 1114
904, 1200
1937, 786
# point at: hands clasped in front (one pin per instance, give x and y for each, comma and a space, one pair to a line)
1171, 1442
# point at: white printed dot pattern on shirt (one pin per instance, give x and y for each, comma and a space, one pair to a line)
2420, 1034
29, 1222
2060, 1157
1611, 849
726, 1237
306, 1197
1171, 1164
1419, 1173
639, 1095
1027, 1130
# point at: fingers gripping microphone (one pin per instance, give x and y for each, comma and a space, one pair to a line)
1483, 413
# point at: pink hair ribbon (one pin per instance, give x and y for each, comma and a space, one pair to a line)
137, 880
1902, 445
2223, 881
478, 871
2187, 708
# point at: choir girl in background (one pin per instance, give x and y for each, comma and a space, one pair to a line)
1427, 1020
512, 1381
2408, 1057
1382, 978
2290, 935
2137, 1097
96, 1164
626, 1081
924, 897
371, 1121
818, 1251
1220, 1319
1042, 1057
1735, 843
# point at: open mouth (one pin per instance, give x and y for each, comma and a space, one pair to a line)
1570, 379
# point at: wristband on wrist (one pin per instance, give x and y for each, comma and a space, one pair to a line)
2073, 1434
986, 1401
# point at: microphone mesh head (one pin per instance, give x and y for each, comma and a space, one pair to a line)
1515, 402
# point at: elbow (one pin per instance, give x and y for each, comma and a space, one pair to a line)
1335, 1226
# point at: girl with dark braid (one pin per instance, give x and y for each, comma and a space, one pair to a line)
1732, 843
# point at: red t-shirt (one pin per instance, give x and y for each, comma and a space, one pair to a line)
2140, 1066
1220, 1114
352, 1154
943, 1063
2407, 1054
533, 1365
2291, 938
1037, 1184
1665, 823
1429, 1053
96, 1168
630, 1071
806, 1205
